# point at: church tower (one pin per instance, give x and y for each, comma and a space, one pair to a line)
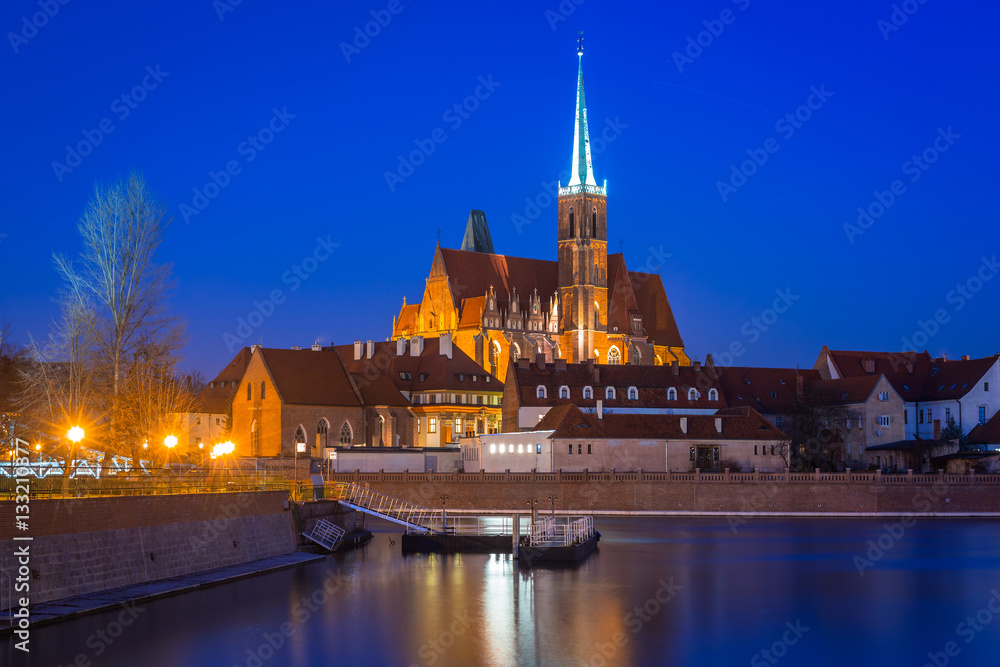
583, 246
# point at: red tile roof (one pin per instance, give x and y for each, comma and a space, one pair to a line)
621, 298
657, 315
406, 325
472, 274
216, 397
986, 434
768, 390
568, 421
845, 390
308, 377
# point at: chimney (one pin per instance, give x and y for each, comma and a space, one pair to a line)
937, 429
444, 345
675, 367
718, 424
560, 364
869, 366
371, 349
296, 347
523, 364
800, 388
909, 366
697, 367
600, 409
597, 374
966, 357
416, 346
359, 350
684, 425
540, 361
316, 347
400, 347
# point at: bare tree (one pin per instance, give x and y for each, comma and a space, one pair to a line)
114, 301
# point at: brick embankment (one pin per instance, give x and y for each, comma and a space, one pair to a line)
84, 545
701, 497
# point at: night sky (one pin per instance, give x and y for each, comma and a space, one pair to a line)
309, 117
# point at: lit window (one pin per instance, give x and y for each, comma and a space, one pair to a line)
493, 449
503, 449
418, 425
520, 449
432, 425
614, 356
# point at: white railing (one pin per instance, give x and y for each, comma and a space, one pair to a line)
326, 534
386, 507
561, 531
583, 187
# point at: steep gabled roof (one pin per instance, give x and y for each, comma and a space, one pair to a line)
844, 391
621, 298
472, 273
657, 315
308, 377
216, 397
768, 390
954, 379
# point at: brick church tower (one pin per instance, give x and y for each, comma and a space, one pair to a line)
583, 245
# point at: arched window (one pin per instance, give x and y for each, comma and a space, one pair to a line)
609, 394
254, 437
614, 356
572, 231
249, 391
515, 351
564, 392
381, 431
593, 232
588, 392
300, 435
322, 436
633, 394
597, 320
692, 394
671, 394
636, 359
262, 386
540, 392
346, 434
713, 394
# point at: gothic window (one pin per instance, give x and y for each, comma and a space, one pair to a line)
671, 394
254, 437
249, 391
572, 231
515, 351
609, 394
614, 356
381, 431
597, 320
322, 438
300, 436
540, 392
346, 434
262, 386
636, 356
564, 392
594, 231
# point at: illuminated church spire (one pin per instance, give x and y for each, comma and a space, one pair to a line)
583, 166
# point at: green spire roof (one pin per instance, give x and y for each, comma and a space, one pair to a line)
583, 166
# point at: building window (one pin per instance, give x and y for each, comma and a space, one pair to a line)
540, 392
614, 356
671, 394
715, 454
947, 415
691, 453
609, 394
713, 394
458, 425
572, 221
321, 433
538, 449
589, 450
633, 394
432, 425
480, 399
692, 394
861, 422
218, 420
254, 437
930, 420
986, 386
755, 450
197, 421
579, 449
588, 392
982, 414
906, 416
778, 420
262, 387
883, 396
884, 420
346, 434
564, 392
249, 391
774, 394
493, 449
920, 416
418, 425
571, 448
593, 232
772, 450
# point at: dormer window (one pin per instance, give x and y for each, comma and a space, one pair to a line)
461, 377
713, 394
609, 394
672, 394
588, 392
540, 392
633, 394
692, 394
422, 377
564, 392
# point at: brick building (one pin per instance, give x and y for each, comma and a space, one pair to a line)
584, 306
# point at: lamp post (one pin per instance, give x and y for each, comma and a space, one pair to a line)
444, 512
74, 435
299, 447
533, 504
552, 500
38, 450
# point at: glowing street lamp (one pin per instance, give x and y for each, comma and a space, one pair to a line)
75, 435
170, 441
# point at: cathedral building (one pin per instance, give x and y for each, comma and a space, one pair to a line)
586, 305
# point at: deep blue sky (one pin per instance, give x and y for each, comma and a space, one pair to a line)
323, 175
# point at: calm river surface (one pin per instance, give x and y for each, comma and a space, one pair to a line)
658, 591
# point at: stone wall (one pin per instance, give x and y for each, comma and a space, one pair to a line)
91, 544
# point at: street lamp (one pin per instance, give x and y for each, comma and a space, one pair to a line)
444, 512
38, 449
75, 435
553, 499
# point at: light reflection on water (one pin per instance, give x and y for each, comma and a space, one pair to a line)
738, 591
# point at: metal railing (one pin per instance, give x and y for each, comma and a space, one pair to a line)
326, 534
386, 507
561, 531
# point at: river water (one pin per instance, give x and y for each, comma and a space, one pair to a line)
659, 591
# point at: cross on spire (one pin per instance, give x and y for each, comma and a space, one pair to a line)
439, 235
579, 44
